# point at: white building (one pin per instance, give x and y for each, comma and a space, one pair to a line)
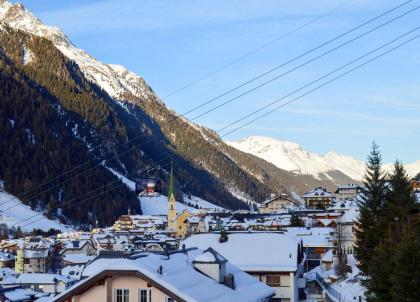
318, 198
272, 258
347, 191
347, 227
275, 204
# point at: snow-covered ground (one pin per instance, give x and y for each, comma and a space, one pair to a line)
129, 183
158, 205
292, 157
27, 55
240, 195
19, 212
200, 203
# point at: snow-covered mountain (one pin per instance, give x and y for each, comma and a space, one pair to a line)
114, 79
291, 157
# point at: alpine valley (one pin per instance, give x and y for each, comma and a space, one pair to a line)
73, 126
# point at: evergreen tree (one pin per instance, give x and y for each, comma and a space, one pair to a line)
18, 233
405, 278
400, 201
395, 257
367, 231
378, 282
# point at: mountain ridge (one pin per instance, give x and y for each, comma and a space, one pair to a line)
292, 157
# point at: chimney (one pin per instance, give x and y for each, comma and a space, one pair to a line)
211, 264
230, 281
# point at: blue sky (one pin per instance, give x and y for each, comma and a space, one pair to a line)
171, 43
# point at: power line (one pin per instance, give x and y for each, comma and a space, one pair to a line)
117, 182
304, 64
250, 53
203, 104
297, 57
306, 93
320, 86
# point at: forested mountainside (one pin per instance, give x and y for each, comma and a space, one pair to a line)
69, 120
37, 143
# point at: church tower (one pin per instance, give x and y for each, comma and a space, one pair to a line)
172, 226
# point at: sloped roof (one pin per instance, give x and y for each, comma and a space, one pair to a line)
27, 278
178, 278
264, 252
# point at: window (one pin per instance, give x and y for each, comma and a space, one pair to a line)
285, 280
122, 295
169, 299
273, 280
145, 295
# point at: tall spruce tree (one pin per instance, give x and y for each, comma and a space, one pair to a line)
395, 280
405, 278
370, 206
394, 261
400, 201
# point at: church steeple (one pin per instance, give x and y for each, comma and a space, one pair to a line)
172, 225
171, 190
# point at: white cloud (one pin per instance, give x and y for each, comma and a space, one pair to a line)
394, 103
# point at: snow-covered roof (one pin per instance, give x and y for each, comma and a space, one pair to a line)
210, 256
75, 245
38, 278
6, 256
351, 215
77, 258
343, 205
318, 192
36, 253
278, 197
6, 271
252, 251
21, 294
74, 271
180, 278
312, 237
349, 186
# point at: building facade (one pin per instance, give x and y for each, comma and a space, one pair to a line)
318, 198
